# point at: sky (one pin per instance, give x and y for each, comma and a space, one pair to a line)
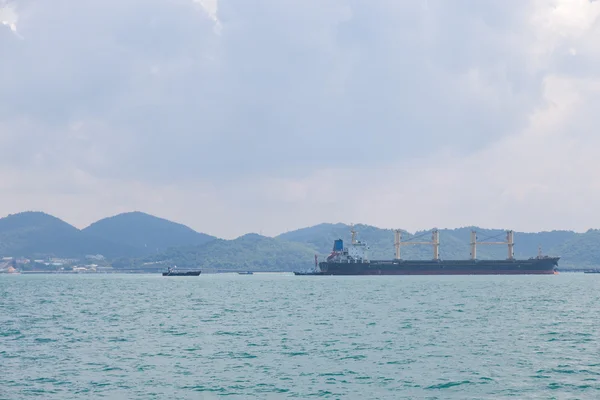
233, 116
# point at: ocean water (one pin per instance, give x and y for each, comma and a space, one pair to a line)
282, 336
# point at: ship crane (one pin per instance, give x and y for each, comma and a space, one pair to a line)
435, 242
353, 233
510, 242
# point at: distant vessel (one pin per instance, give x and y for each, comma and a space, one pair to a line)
354, 261
300, 273
314, 271
171, 272
592, 271
245, 273
10, 270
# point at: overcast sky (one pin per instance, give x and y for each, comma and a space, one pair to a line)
236, 116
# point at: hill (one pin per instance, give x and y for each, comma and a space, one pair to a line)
582, 250
39, 234
147, 233
249, 252
135, 239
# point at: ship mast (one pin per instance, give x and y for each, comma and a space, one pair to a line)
473, 245
435, 239
510, 241
435, 242
397, 241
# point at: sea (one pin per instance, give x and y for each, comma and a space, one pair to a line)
280, 336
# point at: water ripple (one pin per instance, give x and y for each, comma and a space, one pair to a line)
274, 337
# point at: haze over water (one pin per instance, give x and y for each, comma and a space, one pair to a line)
281, 336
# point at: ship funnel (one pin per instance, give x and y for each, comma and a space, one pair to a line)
338, 245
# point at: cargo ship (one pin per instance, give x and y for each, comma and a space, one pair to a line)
354, 260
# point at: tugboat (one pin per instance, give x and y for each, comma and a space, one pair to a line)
171, 272
315, 271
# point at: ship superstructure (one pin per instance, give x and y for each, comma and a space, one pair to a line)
358, 252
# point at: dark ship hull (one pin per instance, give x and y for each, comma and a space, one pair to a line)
535, 266
188, 273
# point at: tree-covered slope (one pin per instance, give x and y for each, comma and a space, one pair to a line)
249, 252
147, 233
39, 234
582, 250
138, 238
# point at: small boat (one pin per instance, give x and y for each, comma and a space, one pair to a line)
310, 273
315, 271
171, 272
592, 271
245, 273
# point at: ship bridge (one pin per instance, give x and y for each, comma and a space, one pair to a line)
357, 252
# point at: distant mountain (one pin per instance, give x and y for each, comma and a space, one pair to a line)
147, 233
582, 250
134, 239
249, 252
39, 234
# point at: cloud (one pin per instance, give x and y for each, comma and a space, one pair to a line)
211, 7
275, 115
9, 17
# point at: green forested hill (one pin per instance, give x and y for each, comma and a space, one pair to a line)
134, 239
249, 252
38, 234
146, 233
581, 251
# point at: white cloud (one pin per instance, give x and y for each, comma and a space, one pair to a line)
543, 177
211, 7
9, 17
238, 116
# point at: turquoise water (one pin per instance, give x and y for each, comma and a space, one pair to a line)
277, 337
